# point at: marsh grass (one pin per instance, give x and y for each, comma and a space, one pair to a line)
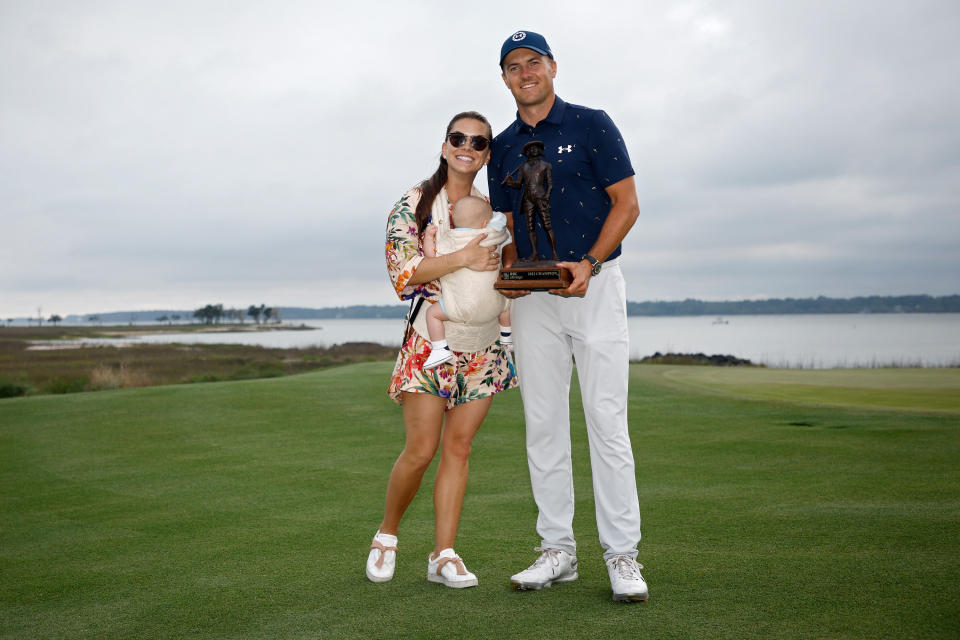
26, 371
117, 376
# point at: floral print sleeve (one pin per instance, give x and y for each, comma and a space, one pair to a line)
404, 251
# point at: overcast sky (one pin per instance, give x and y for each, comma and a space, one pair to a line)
174, 154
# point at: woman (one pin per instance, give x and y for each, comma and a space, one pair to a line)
443, 406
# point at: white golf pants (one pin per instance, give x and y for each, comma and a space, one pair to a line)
549, 331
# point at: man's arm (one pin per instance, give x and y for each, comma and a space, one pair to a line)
624, 210
472, 256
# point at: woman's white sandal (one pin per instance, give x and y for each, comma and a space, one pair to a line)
448, 569
382, 560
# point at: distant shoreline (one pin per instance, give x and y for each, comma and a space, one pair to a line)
688, 307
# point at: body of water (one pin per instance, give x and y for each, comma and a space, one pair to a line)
807, 341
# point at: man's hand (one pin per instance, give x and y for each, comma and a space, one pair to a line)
581, 272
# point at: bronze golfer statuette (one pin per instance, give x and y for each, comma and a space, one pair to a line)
536, 179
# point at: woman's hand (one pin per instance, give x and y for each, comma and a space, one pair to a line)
478, 258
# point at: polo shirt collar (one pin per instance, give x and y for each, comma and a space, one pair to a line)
554, 117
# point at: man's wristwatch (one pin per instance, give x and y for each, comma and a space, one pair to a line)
596, 263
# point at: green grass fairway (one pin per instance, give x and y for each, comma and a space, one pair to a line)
245, 510
910, 389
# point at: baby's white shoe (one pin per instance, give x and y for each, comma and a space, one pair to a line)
506, 338
437, 357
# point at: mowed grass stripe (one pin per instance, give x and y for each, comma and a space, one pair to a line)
244, 510
901, 389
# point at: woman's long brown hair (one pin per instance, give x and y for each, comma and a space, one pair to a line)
430, 187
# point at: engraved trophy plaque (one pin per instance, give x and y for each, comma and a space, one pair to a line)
542, 275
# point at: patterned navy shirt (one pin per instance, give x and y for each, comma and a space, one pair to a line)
587, 154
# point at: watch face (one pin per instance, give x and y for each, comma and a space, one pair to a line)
595, 264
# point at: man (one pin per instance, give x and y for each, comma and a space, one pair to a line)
593, 205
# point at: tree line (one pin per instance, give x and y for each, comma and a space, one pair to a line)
784, 306
215, 314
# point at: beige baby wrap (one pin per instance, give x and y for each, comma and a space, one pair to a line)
470, 335
469, 296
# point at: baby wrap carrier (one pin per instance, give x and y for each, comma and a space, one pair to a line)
469, 296
468, 336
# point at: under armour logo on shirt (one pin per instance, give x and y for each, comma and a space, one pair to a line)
568, 148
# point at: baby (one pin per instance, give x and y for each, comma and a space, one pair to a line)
466, 296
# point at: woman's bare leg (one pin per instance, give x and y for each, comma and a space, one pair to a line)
462, 424
423, 422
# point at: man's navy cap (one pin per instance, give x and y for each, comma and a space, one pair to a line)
526, 40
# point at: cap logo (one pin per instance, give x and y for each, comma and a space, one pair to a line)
518, 36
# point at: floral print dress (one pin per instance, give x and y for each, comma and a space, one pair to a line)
470, 376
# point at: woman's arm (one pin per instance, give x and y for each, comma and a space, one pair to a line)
472, 256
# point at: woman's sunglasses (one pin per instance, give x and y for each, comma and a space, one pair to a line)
457, 139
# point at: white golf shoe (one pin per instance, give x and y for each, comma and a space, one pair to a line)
625, 579
553, 565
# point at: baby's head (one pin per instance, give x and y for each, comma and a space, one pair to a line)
471, 212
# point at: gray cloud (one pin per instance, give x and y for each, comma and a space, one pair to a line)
181, 153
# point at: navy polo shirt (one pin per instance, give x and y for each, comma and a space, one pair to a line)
587, 154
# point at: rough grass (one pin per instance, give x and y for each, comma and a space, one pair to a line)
244, 510
25, 371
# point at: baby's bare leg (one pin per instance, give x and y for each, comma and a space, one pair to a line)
435, 319
506, 335
439, 350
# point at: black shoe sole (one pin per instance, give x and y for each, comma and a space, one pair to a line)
537, 586
631, 597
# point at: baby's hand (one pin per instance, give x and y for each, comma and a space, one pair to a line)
430, 241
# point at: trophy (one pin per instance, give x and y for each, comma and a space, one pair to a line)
536, 180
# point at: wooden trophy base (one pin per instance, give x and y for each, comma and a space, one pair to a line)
541, 275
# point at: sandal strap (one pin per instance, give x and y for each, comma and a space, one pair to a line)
376, 544
461, 570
